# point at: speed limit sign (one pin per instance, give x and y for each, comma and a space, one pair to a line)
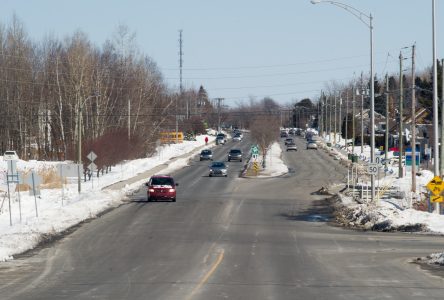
372, 169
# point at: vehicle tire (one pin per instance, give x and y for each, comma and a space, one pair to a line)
226, 175
200, 159
210, 175
241, 160
173, 200
149, 199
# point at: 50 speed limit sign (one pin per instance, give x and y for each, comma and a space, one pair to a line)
372, 169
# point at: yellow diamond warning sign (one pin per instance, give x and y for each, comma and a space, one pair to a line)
436, 186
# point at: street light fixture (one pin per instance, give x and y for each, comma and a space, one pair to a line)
79, 135
368, 21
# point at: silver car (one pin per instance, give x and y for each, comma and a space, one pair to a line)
312, 145
206, 154
218, 168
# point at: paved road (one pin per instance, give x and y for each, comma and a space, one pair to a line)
228, 238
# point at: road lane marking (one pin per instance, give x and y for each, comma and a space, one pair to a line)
208, 275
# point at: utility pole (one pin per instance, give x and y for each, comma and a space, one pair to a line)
387, 116
401, 99
442, 119
180, 73
334, 133
326, 115
329, 123
413, 129
362, 115
435, 106
340, 116
219, 105
321, 128
353, 117
346, 120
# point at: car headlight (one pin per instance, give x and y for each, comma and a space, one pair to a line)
151, 190
171, 190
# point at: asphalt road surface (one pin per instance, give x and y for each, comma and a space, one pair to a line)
228, 238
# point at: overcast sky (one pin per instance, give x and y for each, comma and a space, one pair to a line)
236, 49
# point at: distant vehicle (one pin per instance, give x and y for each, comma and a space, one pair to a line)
235, 154
284, 134
237, 137
221, 139
206, 154
288, 141
218, 168
161, 187
312, 145
292, 147
10, 155
292, 131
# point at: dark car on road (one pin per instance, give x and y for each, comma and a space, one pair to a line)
235, 154
206, 154
292, 147
161, 187
288, 141
218, 168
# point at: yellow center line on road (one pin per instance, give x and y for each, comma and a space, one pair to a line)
208, 275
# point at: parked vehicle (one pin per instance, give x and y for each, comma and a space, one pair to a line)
206, 154
161, 187
235, 154
218, 168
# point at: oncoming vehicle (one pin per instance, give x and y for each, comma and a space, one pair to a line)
235, 154
221, 139
206, 154
237, 137
161, 187
218, 168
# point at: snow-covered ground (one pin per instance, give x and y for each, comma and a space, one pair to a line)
35, 218
389, 213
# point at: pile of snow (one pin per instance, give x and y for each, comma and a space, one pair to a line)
274, 166
35, 219
435, 259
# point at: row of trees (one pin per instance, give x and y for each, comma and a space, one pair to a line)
52, 90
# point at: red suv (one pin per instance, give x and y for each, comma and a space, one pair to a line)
161, 187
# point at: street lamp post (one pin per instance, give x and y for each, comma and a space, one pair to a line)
79, 142
369, 23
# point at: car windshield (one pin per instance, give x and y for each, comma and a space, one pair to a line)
218, 165
206, 152
235, 151
162, 181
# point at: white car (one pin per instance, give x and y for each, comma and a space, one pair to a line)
312, 145
237, 138
10, 155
